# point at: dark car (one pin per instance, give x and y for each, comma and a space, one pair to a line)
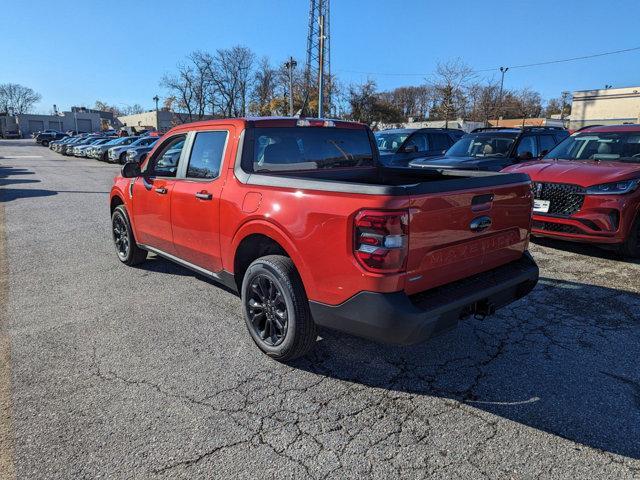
139, 153
495, 148
119, 153
45, 138
399, 146
67, 149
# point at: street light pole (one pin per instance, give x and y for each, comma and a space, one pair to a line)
503, 70
156, 99
290, 65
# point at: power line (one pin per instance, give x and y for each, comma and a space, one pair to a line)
485, 70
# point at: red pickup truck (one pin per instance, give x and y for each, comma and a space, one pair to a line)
300, 218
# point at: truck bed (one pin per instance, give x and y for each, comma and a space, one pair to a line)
383, 180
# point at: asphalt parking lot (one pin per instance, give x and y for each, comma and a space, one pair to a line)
108, 371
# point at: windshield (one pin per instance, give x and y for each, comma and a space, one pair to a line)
119, 141
482, 145
602, 146
310, 148
390, 141
141, 142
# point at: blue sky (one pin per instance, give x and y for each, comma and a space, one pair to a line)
117, 51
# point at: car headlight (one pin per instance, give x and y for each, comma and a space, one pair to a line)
616, 188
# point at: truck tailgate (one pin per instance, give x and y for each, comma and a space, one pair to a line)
462, 233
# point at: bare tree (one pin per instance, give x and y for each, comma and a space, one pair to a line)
105, 107
191, 88
558, 106
482, 100
524, 104
450, 84
133, 109
368, 106
17, 99
264, 89
231, 77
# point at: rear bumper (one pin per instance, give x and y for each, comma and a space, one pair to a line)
405, 320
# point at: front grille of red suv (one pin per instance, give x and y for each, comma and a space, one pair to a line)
556, 227
566, 199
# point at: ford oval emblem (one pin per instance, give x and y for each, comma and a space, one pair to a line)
480, 223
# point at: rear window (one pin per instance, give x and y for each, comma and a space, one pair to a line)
310, 148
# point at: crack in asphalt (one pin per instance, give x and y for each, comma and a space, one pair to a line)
522, 394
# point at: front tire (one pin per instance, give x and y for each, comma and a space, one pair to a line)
631, 246
126, 247
276, 308
123, 158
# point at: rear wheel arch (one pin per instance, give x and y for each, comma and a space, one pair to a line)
255, 240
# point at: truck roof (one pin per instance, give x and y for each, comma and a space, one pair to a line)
270, 122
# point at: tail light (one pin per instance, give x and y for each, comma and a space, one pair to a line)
381, 240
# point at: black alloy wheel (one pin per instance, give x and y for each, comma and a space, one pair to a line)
121, 237
267, 310
276, 308
126, 247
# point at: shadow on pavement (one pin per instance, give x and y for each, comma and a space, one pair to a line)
159, 264
563, 360
10, 194
587, 249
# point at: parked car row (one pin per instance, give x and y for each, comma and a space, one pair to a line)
104, 146
586, 185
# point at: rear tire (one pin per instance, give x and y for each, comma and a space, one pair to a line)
631, 246
45, 143
276, 308
126, 247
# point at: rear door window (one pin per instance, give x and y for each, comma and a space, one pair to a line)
420, 141
206, 155
310, 148
527, 148
547, 142
440, 141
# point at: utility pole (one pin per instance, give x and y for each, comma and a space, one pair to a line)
318, 55
290, 65
321, 65
565, 97
503, 70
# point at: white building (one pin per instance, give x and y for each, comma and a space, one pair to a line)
605, 107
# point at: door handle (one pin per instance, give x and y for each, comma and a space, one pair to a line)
204, 196
161, 190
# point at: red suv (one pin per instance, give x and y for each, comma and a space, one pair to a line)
587, 188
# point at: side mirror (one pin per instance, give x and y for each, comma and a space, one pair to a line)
543, 153
130, 170
525, 156
410, 149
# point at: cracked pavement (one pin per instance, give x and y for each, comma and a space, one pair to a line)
148, 372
